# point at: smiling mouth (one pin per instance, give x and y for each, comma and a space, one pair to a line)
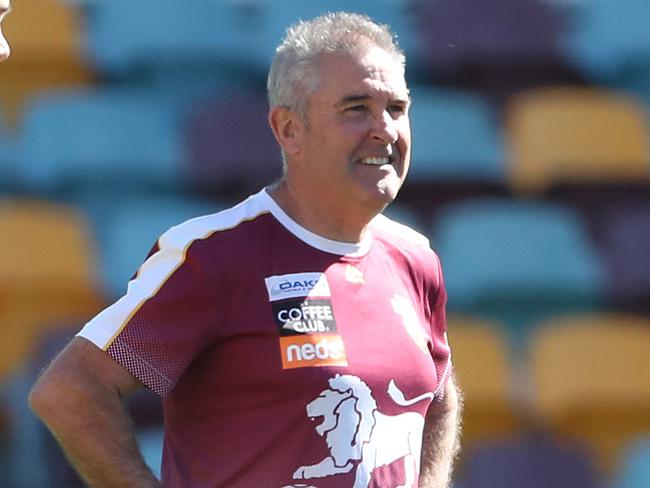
375, 161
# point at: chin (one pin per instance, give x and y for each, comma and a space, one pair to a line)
380, 196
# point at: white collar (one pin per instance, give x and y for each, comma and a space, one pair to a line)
314, 240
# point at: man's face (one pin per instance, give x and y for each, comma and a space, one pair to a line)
5, 6
355, 149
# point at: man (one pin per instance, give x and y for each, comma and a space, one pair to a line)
298, 338
5, 8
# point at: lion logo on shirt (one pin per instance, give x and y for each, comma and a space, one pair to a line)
357, 433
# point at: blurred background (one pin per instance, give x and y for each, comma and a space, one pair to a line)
530, 176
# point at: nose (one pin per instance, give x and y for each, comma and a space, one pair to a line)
384, 128
4, 47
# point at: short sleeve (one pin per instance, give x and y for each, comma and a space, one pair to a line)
166, 317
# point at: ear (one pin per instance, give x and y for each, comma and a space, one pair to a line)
287, 129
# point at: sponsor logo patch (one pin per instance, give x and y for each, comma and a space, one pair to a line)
302, 351
294, 285
295, 317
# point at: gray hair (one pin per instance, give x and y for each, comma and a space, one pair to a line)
293, 76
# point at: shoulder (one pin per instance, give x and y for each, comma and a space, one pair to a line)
213, 225
408, 245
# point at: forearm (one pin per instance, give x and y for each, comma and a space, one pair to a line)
441, 439
90, 422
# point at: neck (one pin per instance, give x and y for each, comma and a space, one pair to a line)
339, 224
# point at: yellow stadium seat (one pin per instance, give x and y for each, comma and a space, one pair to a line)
591, 380
46, 38
569, 135
482, 369
47, 274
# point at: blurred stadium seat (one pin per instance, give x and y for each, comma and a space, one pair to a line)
8, 162
230, 145
625, 244
590, 380
485, 373
516, 262
497, 47
48, 274
100, 141
634, 471
609, 38
457, 137
128, 40
47, 43
574, 135
536, 461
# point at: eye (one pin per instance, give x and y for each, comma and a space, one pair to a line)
397, 109
356, 109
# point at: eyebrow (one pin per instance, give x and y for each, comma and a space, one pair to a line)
354, 98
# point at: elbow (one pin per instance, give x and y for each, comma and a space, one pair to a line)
42, 398
52, 396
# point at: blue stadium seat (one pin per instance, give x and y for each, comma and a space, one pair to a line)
100, 140
455, 137
610, 37
149, 34
635, 469
132, 227
517, 262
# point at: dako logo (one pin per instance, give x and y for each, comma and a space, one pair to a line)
280, 287
304, 285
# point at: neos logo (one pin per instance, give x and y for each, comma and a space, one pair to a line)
294, 285
307, 351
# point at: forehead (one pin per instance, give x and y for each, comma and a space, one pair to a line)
372, 72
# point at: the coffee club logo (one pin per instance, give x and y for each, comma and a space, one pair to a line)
297, 317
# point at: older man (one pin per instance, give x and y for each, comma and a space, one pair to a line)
298, 338
5, 7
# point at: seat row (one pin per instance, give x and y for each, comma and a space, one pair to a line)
551, 138
538, 460
582, 379
473, 43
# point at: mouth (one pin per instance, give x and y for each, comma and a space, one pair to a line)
375, 160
